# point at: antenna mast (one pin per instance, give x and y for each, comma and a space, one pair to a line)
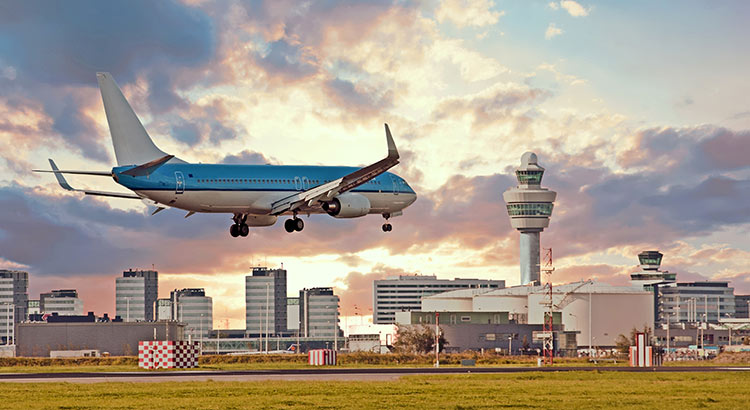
548, 329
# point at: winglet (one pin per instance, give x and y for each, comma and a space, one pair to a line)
392, 152
60, 178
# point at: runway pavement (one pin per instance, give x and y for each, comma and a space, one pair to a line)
320, 374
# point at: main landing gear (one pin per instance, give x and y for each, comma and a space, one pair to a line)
386, 226
294, 224
239, 228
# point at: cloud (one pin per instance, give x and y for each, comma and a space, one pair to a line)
356, 293
498, 102
464, 13
54, 52
574, 8
67, 44
552, 31
247, 157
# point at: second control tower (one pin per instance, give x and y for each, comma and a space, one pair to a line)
529, 207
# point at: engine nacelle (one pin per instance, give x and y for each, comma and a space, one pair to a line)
347, 206
261, 220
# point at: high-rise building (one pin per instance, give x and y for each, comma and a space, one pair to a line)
135, 295
33, 307
14, 299
319, 313
292, 314
265, 302
404, 293
529, 207
195, 309
64, 302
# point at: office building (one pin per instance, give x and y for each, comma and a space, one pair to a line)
14, 299
694, 302
64, 302
529, 207
404, 293
33, 307
292, 314
742, 306
195, 309
265, 302
319, 313
135, 295
164, 309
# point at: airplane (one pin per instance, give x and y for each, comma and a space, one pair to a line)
255, 195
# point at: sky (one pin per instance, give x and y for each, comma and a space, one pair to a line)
638, 111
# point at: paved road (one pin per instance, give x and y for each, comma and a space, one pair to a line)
329, 373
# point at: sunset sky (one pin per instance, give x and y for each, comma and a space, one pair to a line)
638, 110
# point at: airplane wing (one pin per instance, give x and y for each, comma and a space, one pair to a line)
64, 184
339, 186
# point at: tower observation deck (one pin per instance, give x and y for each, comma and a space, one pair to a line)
529, 207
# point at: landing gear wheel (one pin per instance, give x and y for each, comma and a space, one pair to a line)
289, 225
234, 230
387, 227
299, 224
244, 230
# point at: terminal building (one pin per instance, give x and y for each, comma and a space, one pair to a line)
596, 312
404, 293
135, 295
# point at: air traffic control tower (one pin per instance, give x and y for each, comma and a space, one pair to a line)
529, 207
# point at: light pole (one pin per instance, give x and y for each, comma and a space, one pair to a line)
590, 331
510, 345
201, 334
267, 301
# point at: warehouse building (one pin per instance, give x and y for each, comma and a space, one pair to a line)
37, 339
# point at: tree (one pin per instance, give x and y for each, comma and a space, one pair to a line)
417, 339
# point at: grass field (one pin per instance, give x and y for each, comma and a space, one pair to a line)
536, 390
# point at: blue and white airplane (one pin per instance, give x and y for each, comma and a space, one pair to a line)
255, 195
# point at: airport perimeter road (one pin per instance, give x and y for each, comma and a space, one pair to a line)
328, 373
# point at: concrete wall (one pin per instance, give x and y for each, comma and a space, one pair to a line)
441, 304
117, 338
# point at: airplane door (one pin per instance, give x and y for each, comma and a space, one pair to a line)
297, 183
305, 183
179, 183
394, 185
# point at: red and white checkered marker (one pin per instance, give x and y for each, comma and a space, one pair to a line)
160, 354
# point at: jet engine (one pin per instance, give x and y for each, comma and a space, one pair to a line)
347, 205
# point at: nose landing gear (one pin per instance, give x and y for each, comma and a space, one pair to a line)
386, 226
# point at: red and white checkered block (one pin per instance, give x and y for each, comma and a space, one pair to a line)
161, 354
322, 357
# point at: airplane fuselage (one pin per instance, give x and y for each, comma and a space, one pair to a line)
253, 189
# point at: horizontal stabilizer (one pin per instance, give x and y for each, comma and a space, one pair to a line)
65, 185
76, 172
